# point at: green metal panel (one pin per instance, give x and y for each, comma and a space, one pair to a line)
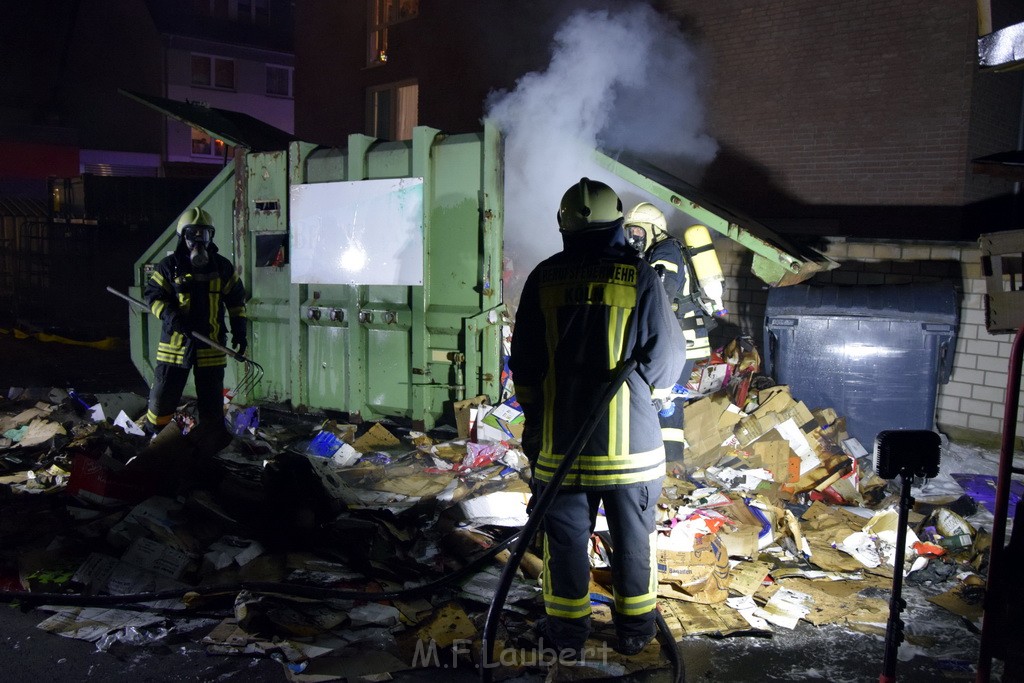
776, 261
374, 350
264, 194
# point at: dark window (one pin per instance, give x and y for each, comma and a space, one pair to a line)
200, 70
279, 80
224, 73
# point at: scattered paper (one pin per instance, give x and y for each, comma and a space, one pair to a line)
127, 424
785, 608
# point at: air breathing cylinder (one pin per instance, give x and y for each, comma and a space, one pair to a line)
706, 266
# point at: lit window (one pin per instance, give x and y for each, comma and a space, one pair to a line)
201, 144
279, 80
205, 146
210, 71
381, 14
393, 111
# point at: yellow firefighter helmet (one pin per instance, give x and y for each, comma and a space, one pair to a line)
197, 216
649, 218
588, 205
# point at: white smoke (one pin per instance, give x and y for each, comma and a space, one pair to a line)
623, 79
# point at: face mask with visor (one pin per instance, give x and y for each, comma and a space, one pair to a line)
197, 238
636, 237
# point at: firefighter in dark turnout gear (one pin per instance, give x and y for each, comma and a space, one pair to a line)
190, 291
647, 231
583, 312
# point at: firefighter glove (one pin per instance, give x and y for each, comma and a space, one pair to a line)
239, 338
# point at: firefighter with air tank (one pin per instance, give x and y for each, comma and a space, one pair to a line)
693, 281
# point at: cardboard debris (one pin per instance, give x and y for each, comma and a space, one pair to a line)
378, 437
964, 600
826, 607
785, 608
747, 577
464, 414
692, 619
450, 623
700, 574
397, 508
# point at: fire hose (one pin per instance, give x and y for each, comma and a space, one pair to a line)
138, 600
540, 508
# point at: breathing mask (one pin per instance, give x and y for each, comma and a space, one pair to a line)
197, 239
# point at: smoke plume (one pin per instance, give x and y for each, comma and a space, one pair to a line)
622, 79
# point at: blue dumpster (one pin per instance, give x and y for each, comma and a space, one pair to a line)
876, 354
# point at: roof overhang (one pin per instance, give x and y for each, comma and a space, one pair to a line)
777, 262
233, 127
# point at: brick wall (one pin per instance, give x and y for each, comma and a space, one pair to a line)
971, 405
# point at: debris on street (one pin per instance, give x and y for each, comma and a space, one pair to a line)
348, 550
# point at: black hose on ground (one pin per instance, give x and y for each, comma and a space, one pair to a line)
28, 599
540, 508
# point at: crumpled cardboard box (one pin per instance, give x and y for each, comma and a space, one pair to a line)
709, 423
698, 575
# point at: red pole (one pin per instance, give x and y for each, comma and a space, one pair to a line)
992, 604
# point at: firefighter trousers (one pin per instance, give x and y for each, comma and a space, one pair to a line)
169, 383
568, 526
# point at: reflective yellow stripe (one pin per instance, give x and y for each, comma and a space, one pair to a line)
602, 480
589, 294
613, 344
608, 463
158, 307
673, 434
213, 294
558, 606
159, 279
643, 605
602, 470
668, 265
158, 420
634, 605
229, 284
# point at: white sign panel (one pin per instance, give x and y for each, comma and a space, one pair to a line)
364, 232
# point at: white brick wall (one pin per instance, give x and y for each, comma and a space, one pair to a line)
973, 398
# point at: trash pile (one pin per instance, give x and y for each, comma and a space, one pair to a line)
346, 550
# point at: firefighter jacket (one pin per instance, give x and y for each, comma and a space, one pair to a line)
669, 257
187, 300
582, 313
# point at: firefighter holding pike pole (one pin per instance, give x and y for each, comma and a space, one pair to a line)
190, 291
